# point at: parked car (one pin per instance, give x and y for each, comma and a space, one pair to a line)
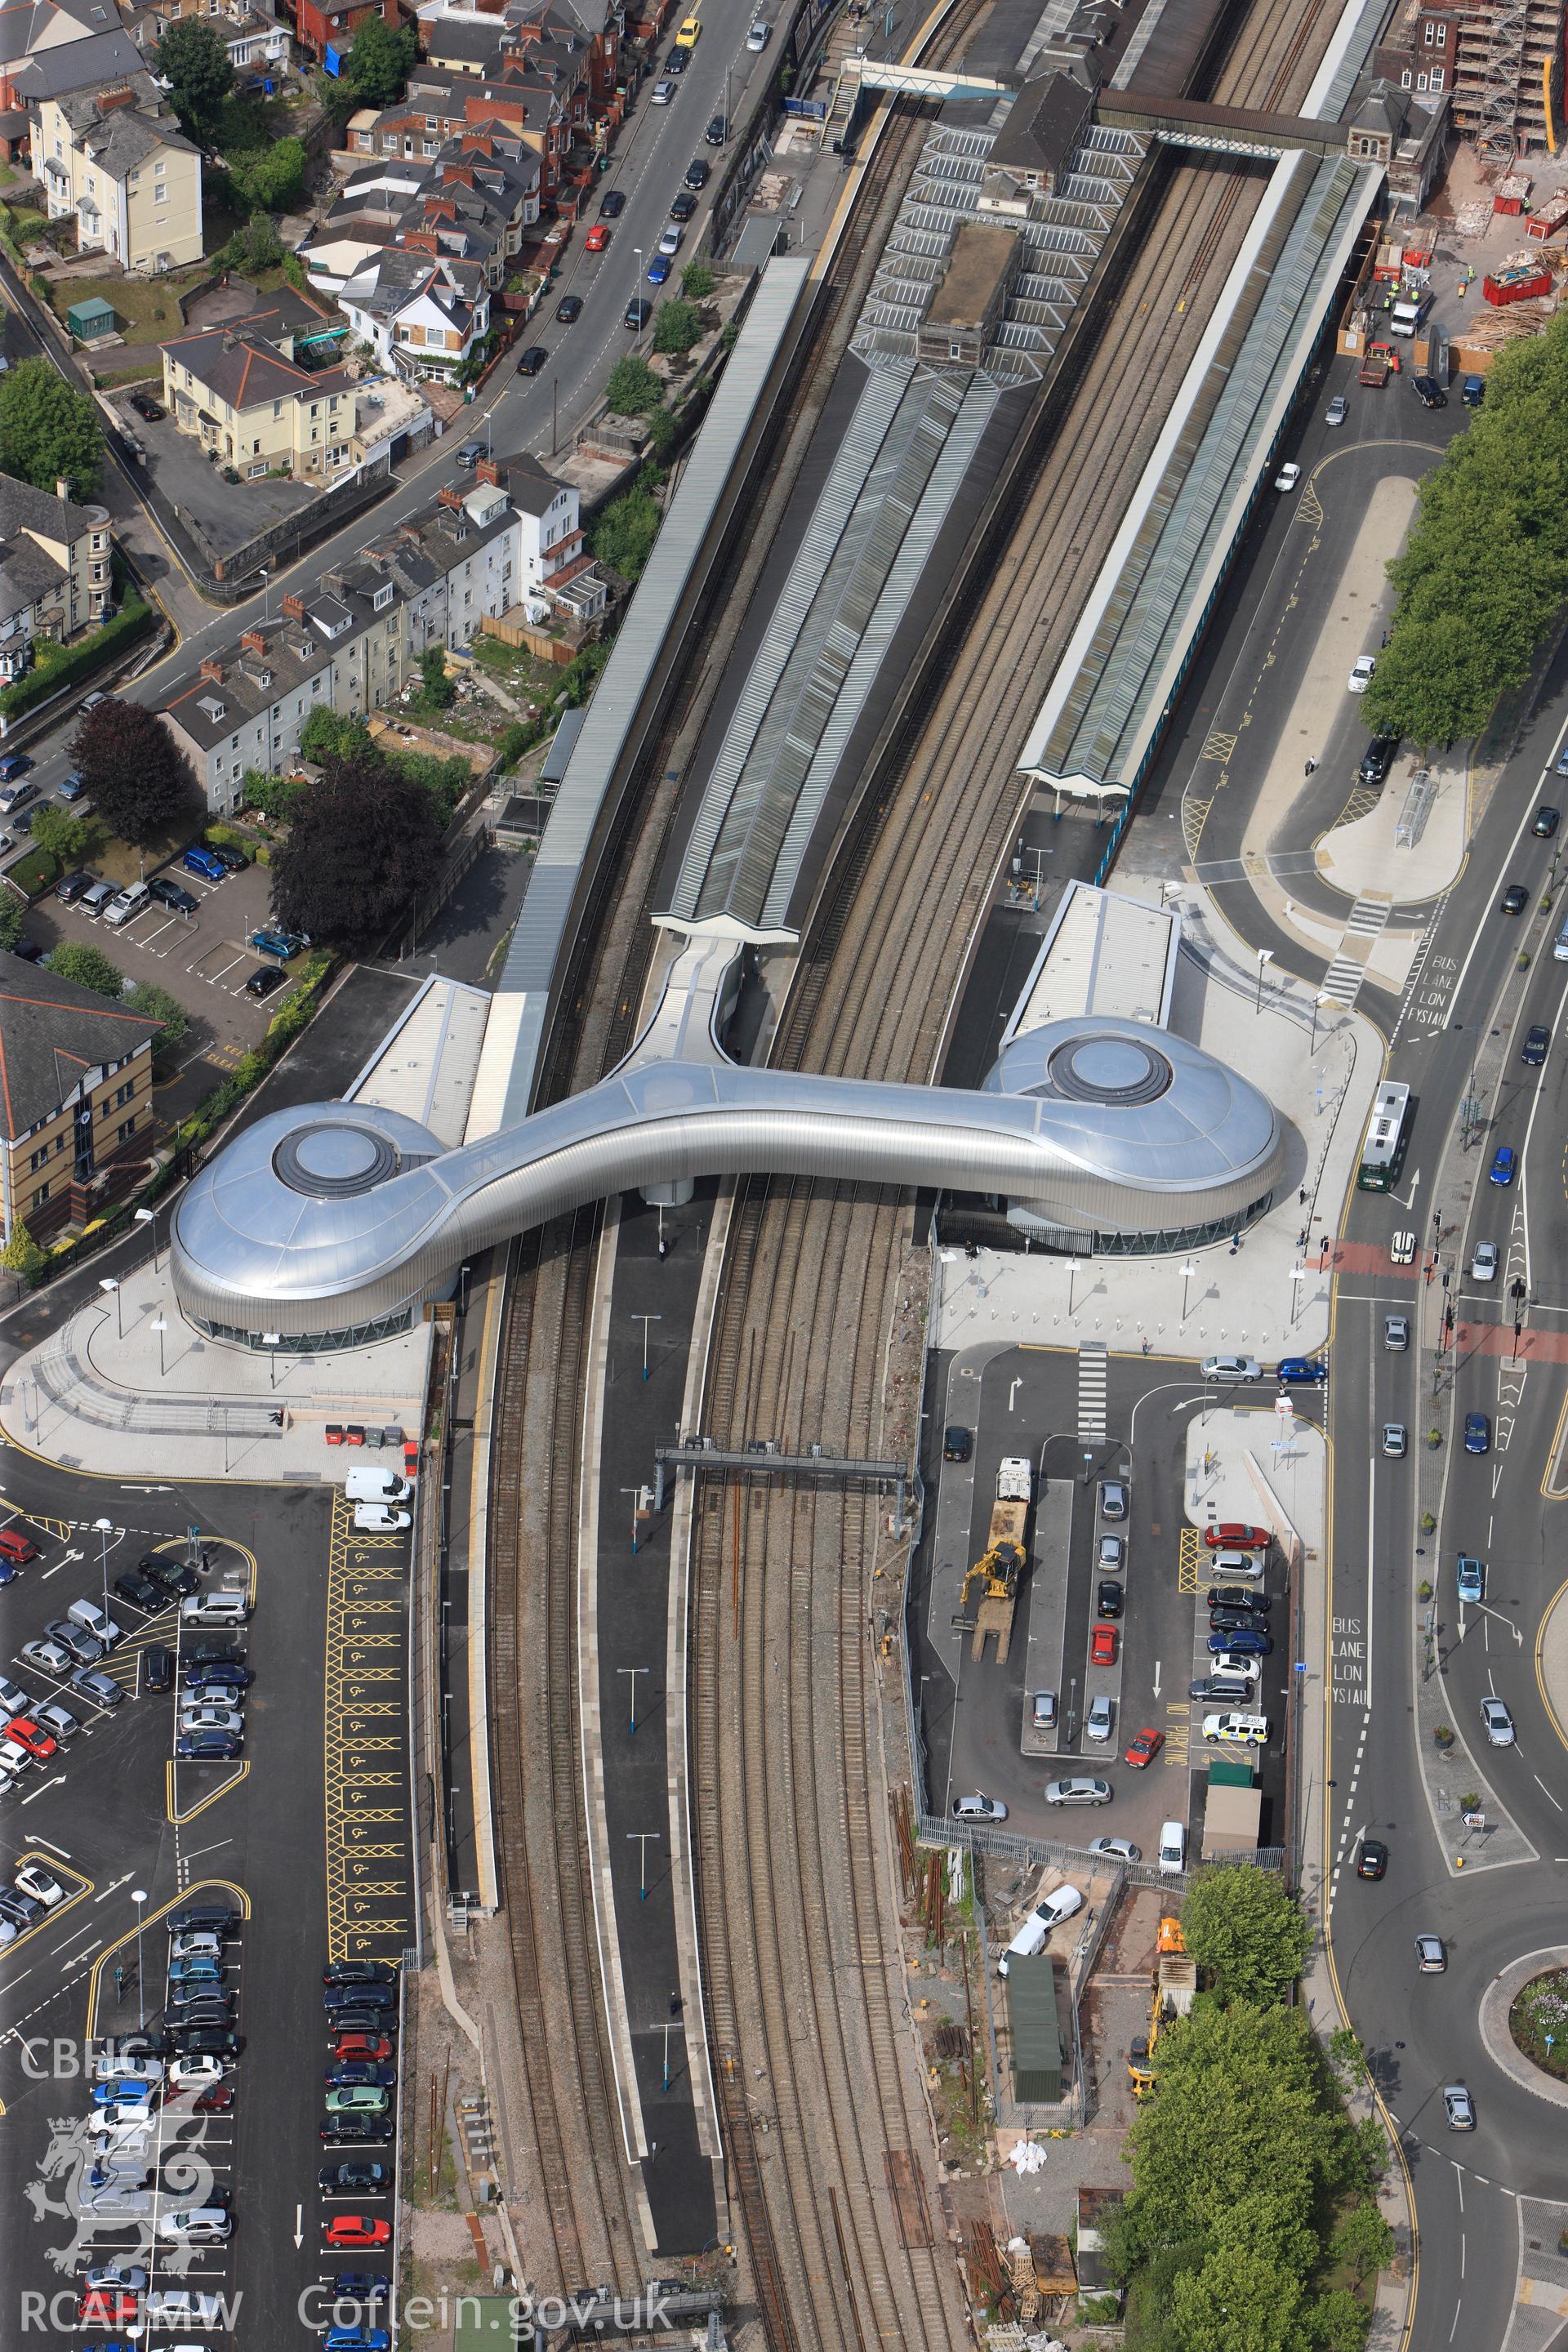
1377, 759
1242, 1639
101, 1688
172, 894
957, 1442
612, 204
198, 859
147, 408
698, 174
637, 314
1097, 1722
12, 766
682, 205
569, 309
761, 33
74, 886
1110, 1555
355, 2176
1172, 1847
355, 2230
1116, 1849
263, 982
669, 240
718, 130
48, 1657
141, 1593
978, 1809
1103, 1647
1043, 1710
1108, 1598
664, 90
1238, 1535
1287, 477
1546, 818
283, 944
207, 1747
1079, 1790
1112, 1499
530, 361
157, 1668
359, 1972
1362, 673
598, 239
657, 270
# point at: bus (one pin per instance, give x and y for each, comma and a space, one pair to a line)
1383, 1153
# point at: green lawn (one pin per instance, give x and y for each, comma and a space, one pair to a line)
146, 311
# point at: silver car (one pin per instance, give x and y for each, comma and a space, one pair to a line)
1394, 1440
1430, 1957
1080, 1790
1396, 1333
1458, 2107
1112, 1499
85, 1648
1483, 1266
49, 1657
1109, 1555
1116, 1849
1097, 1722
1043, 1710
1498, 1721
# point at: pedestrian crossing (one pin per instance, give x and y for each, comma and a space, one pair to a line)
1345, 974
1091, 1389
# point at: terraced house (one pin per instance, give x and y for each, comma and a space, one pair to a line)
76, 1099
56, 569
117, 161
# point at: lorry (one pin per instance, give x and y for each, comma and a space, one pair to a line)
1002, 1561
1374, 367
1407, 313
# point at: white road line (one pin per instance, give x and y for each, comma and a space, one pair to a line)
1459, 2182
1543, 1789
63, 1850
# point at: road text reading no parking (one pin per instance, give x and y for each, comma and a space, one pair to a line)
1348, 1648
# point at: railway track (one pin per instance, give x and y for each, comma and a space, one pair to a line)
569, 2127
824, 2112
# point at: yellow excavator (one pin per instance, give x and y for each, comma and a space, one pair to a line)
1001, 1568
1174, 1979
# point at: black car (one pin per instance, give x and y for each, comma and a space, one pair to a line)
157, 1669
683, 206
142, 1593
637, 313
1109, 1601
337, 1998
207, 1747
1239, 1596
698, 173
1377, 759
612, 204
569, 308
1232, 1688
263, 982
676, 61
1544, 823
146, 408
359, 1972
203, 2041
210, 1918
206, 1651
71, 888
533, 359
27, 952
1538, 1037
1430, 392
957, 1442
148, 2042
173, 1574
1232, 1621
170, 894
1372, 1859
360, 2021
1514, 900
718, 130
363, 2131
355, 2176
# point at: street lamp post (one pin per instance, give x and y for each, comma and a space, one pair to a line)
107, 1283
105, 1528
139, 1897
1319, 998
160, 1325
1187, 1273
1264, 957
1297, 1276
1075, 1267
150, 1217
272, 1341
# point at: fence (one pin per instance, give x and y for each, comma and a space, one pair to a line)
430, 902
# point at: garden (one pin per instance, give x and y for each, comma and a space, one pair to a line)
1539, 2022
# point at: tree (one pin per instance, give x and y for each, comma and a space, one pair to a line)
79, 960
437, 691
273, 179
256, 246
155, 1003
677, 327
1246, 1933
59, 835
364, 841
697, 281
381, 60
326, 734
141, 782
22, 1255
10, 920
632, 388
623, 534
49, 433
193, 61
274, 796
1363, 2241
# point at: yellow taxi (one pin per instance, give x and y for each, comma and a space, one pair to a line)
691, 33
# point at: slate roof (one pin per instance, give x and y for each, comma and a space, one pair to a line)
22, 507
1043, 124
243, 370
76, 64
52, 1032
28, 573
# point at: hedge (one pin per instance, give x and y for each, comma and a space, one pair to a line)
33, 874
132, 621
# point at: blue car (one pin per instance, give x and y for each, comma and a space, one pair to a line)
1300, 1371
281, 944
195, 1970
349, 2071
659, 269
360, 2286
1477, 1432
1503, 1164
357, 2339
72, 788
1472, 1577
218, 1673
207, 1747
1242, 1640
9, 1571
197, 860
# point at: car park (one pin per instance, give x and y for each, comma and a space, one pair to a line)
1232, 1368
1301, 1371
1504, 1165
1103, 1647
1514, 899
957, 1442
1287, 477
1497, 1723
1143, 1747
1395, 1441
1537, 1039
1362, 673
1396, 1333
1097, 1723
1080, 1789
1110, 1555
1112, 1499
1477, 1432
978, 1809
1458, 2107
1472, 1578
1431, 1954
1484, 1262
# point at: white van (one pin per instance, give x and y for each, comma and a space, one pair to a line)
1031, 1937
1559, 944
215, 1609
377, 1486
94, 1620
1172, 1848
130, 902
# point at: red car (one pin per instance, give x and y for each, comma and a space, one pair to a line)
217, 2101
598, 238
24, 1733
355, 2230
375, 2048
1234, 1535
1102, 1645
106, 2306
1145, 1747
